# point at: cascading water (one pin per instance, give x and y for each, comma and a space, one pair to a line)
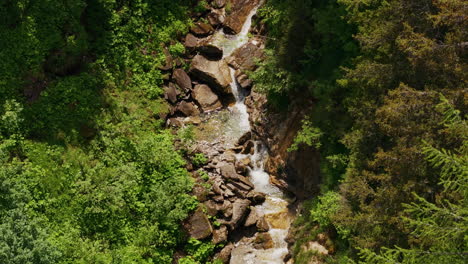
228, 126
275, 207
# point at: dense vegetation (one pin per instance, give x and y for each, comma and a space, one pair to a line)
388, 82
88, 174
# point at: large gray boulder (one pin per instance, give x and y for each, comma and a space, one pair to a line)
214, 73
206, 98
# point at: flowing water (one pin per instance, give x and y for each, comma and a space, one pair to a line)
230, 125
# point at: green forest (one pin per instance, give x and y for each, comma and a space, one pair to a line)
91, 173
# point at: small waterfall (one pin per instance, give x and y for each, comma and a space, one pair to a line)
275, 207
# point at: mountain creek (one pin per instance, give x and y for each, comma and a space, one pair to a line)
253, 209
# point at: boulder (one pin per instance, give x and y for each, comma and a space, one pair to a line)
262, 225
238, 13
210, 50
182, 79
187, 108
206, 98
244, 138
191, 41
215, 73
215, 18
244, 57
253, 218
239, 211
249, 147
225, 254
211, 207
228, 171
256, 197
170, 93
198, 225
263, 241
220, 235
201, 29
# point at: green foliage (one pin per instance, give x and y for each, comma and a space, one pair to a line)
198, 252
308, 135
87, 174
199, 159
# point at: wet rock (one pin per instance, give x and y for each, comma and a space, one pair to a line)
201, 29
228, 156
238, 13
242, 166
170, 93
276, 220
244, 58
262, 225
244, 138
239, 211
187, 108
198, 225
215, 73
249, 147
245, 181
263, 241
225, 254
220, 235
206, 98
182, 79
256, 197
244, 81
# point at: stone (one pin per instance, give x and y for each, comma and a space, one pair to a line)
249, 147
201, 29
206, 98
211, 207
225, 254
228, 170
210, 51
191, 41
244, 81
187, 108
215, 73
256, 197
244, 58
239, 211
215, 18
262, 225
263, 241
252, 218
170, 93
238, 13
182, 79
198, 225
276, 220
220, 235
244, 138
